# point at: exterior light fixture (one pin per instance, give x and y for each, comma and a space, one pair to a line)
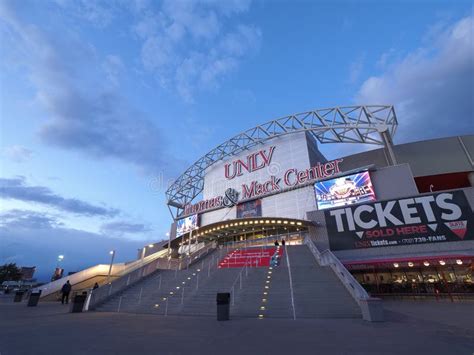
410, 264
426, 263
396, 265
442, 262
459, 262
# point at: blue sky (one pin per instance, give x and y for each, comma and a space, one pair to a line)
102, 103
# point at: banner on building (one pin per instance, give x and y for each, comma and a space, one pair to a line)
442, 217
186, 224
250, 209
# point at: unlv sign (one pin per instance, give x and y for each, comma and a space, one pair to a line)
442, 217
251, 163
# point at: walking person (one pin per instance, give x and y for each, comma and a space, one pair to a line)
65, 290
96, 286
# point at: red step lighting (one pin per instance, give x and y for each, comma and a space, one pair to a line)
253, 257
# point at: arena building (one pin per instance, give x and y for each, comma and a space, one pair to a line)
399, 217
396, 220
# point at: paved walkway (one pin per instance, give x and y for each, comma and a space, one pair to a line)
412, 328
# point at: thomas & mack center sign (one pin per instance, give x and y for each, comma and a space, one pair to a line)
290, 179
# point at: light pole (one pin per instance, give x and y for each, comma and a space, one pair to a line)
169, 244
191, 237
112, 253
60, 258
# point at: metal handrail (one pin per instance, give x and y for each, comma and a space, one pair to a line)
258, 241
239, 276
102, 293
327, 258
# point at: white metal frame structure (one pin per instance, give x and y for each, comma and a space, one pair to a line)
374, 124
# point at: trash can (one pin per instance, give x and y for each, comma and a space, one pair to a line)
18, 296
78, 302
223, 305
34, 298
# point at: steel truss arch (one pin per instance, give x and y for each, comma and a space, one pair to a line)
348, 124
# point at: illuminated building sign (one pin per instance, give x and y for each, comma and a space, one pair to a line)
253, 162
443, 217
291, 178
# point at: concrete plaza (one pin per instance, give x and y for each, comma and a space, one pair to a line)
420, 327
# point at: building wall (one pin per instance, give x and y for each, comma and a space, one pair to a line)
431, 157
291, 151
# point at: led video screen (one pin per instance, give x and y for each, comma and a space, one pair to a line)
186, 224
344, 190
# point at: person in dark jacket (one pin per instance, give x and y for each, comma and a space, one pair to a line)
96, 286
283, 242
65, 290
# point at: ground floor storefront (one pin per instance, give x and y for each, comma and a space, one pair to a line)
435, 276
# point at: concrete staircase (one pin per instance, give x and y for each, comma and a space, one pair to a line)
317, 293
162, 291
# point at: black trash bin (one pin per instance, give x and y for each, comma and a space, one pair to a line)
19, 296
34, 298
78, 302
223, 305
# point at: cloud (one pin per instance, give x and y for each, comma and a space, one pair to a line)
99, 13
35, 239
24, 219
17, 153
189, 46
355, 69
432, 87
113, 67
78, 90
17, 189
123, 227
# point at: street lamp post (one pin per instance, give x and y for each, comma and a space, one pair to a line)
112, 253
60, 258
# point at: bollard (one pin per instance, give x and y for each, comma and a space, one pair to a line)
223, 309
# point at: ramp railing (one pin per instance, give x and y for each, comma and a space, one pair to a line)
372, 308
146, 269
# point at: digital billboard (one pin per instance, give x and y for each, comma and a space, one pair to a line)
249, 209
344, 190
186, 224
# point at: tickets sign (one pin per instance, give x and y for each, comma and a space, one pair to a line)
442, 217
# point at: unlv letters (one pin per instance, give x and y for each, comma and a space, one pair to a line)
419, 219
253, 162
